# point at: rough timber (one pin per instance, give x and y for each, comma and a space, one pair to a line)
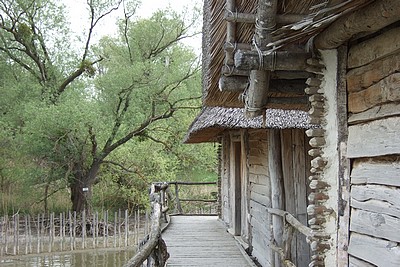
202, 241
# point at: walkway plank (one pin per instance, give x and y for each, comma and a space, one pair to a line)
202, 241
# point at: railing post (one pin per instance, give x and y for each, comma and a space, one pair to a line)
178, 202
154, 249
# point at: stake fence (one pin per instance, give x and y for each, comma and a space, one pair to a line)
46, 233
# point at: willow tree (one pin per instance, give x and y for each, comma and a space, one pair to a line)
89, 104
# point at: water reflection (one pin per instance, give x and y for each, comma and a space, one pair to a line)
98, 258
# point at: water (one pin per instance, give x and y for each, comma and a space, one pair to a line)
98, 258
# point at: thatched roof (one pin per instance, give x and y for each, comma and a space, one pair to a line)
214, 120
317, 14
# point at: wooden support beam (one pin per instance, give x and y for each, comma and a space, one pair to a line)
230, 31
281, 60
368, 19
251, 18
259, 79
276, 180
232, 71
232, 47
233, 83
240, 83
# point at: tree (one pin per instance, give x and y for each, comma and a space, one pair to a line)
83, 109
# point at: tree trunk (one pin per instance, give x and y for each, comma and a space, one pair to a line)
81, 188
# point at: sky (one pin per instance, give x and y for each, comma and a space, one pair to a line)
78, 14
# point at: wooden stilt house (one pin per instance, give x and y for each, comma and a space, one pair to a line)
339, 61
262, 166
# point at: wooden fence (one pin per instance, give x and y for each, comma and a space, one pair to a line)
194, 198
43, 233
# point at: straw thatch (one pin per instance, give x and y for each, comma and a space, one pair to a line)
318, 14
212, 121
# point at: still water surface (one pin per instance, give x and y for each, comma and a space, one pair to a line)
98, 258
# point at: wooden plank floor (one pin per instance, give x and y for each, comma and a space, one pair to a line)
202, 241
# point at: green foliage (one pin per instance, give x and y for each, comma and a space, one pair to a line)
117, 129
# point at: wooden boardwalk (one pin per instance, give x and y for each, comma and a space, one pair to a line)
202, 241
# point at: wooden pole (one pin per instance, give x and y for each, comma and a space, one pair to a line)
280, 60
83, 219
71, 243
126, 228
26, 234
178, 202
94, 230
115, 229
106, 228
230, 32
276, 176
251, 18
259, 79
38, 233
74, 231
119, 227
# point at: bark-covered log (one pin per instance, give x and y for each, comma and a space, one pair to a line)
259, 79
369, 19
281, 60
251, 18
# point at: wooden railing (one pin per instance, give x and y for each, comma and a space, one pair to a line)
153, 248
206, 204
290, 224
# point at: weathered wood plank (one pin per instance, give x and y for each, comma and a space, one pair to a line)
258, 179
365, 76
385, 91
376, 138
302, 249
260, 189
202, 241
354, 262
374, 250
375, 48
375, 224
376, 198
378, 112
258, 211
261, 199
383, 172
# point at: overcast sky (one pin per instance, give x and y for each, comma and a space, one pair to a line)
78, 15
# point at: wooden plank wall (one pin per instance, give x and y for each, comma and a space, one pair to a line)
260, 194
373, 85
225, 181
295, 172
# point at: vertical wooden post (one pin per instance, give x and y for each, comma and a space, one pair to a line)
83, 218
119, 227
259, 79
26, 234
5, 227
74, 231
60, 233
30, 233
71, 244
43, 231
276, 176
126, 228
178, 202
38, 233
94, 231
115, 228
51, 225
15, 234
107, 228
